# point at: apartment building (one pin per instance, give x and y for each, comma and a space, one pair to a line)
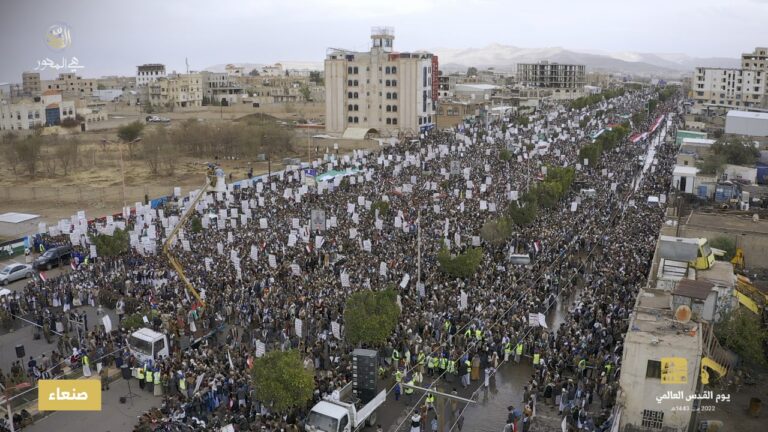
565, 81
742, 88
71, 86
149, 73
30, 83
567, 78
221, 87
387, 91
47, 110
177, 91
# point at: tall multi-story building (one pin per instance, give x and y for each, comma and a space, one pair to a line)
30, 82
71, 85
149, 73
220, 86
757, 59
381, 89
744, 88
565, 81
177, 91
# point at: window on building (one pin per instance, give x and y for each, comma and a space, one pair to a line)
653, 419
357, 108
419, 120
389, 121
394, 108
394, 69
356, 95
349, 107
357, 120
355, 69
394, 95
388, 82
349, 119
389, 108
349, 95
394, 83
356, 83
394, 121
653, 369
387, 70
349, 83
349, 70
389, 95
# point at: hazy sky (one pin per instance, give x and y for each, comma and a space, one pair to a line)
110, 37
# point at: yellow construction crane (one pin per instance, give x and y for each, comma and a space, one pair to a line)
166, 246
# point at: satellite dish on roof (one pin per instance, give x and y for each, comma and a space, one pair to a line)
683, 314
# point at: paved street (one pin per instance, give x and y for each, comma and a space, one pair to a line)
113, 417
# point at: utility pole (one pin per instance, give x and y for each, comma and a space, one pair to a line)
8, 407
418, 242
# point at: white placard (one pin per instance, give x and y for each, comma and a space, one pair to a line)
263, 222
336, 330
405, 280
463, 300
297, 324
345, 280
272, 261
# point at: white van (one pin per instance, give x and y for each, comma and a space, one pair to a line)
146, 344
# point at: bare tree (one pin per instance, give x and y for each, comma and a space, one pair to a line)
8, 148
28, 152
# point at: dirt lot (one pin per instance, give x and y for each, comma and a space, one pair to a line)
96, 185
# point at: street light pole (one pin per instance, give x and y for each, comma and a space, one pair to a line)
418, 242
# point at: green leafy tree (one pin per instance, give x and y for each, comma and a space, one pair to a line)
197, 224
463, 265
740, 331
381, 206
496, 232
131, 131
370, 317
305, 93
736, 151
109, 246
281, 382
523, 215
471, 71
314, 77
711, 164
725, 243
505, 155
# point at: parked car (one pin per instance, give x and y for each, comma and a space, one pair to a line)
14, 272
157, 119
53, 257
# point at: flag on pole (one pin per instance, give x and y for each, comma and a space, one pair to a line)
43, 277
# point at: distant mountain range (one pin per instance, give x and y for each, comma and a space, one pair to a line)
506, 58
286, 65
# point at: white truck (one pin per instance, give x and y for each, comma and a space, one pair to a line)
146, 344
339, 412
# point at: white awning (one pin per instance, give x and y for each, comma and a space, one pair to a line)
357, 133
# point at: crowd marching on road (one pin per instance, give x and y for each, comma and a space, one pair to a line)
260, 263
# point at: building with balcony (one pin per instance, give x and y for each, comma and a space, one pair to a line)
149, 73
221, 88
71, 86
382, 90
732, 88
177, 91
564, 81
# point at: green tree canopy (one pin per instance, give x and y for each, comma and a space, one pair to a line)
725, 243
370, 317
131, 131
505, 155
740, 330
524, 214
736, 151
496, 231
382, 206
463, 265
281, 381
109, 246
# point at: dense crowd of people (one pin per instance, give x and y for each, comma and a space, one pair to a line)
257, 277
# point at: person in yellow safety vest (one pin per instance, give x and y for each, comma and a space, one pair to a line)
468, 370
507, 350
582, 366
140, 376
86, 365
608, 368
86, 260
468, 334
518, 352
148, 377
430, 401
42, 248
158, 387
443, 364
431, 365
447, 327
395, 358
183, 386
479, 335
536, 359
420, 360
398, 376
451, 369
408, 390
